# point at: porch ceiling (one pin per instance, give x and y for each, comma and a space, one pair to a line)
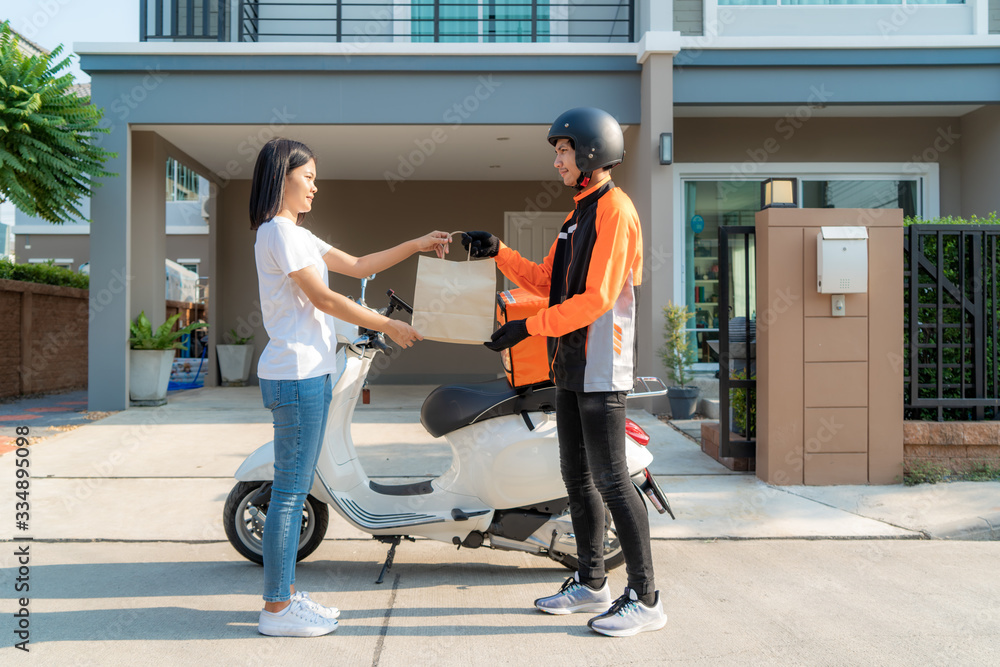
369, 152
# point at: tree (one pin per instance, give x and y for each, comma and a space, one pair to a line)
48, 157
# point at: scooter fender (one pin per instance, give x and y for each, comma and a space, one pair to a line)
259, 466
637, 457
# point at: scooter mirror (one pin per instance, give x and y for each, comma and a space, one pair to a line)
364, 286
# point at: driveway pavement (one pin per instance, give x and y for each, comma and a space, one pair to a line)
130, 564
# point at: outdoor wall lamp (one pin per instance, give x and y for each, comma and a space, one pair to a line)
779, 193
666, 148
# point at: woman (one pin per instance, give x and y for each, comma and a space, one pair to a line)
298, 368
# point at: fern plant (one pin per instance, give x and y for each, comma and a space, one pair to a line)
48, 157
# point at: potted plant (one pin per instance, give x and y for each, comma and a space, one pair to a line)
151, 357
678, 355
234, 360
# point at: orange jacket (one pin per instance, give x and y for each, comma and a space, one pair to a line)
591, 276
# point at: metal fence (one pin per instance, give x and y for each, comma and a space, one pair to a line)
369, 21
950, 323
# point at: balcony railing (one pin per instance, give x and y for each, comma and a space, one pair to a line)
368, 21
184, 20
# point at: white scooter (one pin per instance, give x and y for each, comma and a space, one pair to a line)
503, 489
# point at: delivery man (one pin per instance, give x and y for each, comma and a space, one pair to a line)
591, 277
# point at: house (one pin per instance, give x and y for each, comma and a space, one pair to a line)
429, 115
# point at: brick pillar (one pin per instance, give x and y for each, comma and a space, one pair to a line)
830, 389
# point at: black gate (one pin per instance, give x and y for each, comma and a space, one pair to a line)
737, 343
950, 319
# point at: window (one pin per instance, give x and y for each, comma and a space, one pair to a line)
190, 264
182, 183
861, 194
480, 20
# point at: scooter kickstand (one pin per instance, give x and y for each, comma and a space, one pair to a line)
394, 542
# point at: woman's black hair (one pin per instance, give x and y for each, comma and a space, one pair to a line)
267, 189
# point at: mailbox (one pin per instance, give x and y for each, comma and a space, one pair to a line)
842, 260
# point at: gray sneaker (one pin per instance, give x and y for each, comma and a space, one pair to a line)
628, 616
574, 596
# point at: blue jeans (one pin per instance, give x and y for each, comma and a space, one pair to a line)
591, 428
299, 409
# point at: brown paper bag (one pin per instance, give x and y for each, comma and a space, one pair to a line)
453, 301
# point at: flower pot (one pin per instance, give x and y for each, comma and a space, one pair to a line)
683, 401
149, 375
234, 364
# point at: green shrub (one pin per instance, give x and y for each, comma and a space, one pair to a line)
953, 262
921, 472
738, 403
990, 219
982, 472
46, 274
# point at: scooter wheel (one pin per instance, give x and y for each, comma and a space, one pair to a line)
613, 555
244, 523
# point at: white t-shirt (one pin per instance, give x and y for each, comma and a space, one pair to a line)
302, 343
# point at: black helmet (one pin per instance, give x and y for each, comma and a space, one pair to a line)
596, 136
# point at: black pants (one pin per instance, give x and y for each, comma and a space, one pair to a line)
591, 429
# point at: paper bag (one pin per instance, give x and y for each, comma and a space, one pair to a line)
453, 302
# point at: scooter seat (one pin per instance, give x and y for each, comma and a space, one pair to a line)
452, 406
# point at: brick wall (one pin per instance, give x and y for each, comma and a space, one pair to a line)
10, 343
44, 329
957, 446
710, 440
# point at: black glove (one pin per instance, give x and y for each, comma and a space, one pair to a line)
483, 244
508, 335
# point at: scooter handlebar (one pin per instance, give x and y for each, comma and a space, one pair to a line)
376, 338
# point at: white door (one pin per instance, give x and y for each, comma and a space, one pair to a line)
531, 234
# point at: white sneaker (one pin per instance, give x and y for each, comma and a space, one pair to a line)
325, 612
629, 616
295, 620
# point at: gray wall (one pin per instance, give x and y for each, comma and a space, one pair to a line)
74, 246
980, 195
364, 216
77, 247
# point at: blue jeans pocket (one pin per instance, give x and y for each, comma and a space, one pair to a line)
271, 391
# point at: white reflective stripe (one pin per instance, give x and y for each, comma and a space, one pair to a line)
608, 368
562, 235
571, 229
